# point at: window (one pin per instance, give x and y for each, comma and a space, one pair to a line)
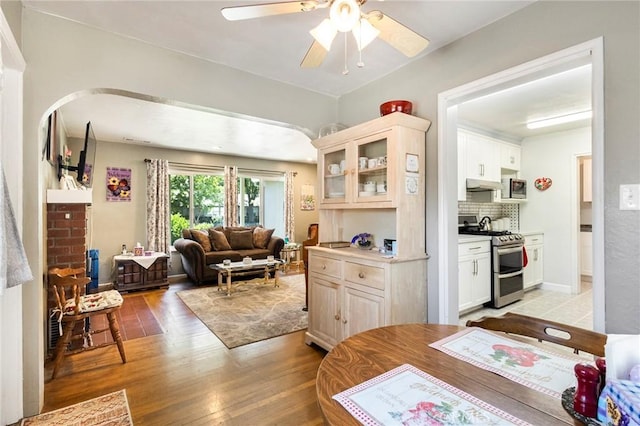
197, 201
261, 202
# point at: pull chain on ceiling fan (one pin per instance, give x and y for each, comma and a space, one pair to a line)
344, 16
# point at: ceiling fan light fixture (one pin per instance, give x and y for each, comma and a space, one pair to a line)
552, 121
344, 14
364, 33
324, 33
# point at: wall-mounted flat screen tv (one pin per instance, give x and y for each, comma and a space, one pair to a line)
86, 161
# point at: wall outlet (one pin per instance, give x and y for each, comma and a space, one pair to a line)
630, 197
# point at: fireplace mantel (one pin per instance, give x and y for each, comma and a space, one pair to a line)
69, 196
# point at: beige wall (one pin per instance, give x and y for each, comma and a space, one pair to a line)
112, 224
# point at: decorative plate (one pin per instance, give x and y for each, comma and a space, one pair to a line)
543, 183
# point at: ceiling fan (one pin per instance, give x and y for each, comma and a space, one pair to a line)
344, 16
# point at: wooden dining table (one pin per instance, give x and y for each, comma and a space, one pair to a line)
374, 352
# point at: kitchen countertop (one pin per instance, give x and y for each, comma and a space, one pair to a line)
526, 233
472, 238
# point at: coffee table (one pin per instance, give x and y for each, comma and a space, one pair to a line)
238, 269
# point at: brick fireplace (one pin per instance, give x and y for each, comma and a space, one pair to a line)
66, 247
66, 235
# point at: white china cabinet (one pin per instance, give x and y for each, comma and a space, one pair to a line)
350, 289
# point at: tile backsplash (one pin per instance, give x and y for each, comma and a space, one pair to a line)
493, 210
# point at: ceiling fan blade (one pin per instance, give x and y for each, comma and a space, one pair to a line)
315, 55
238, 13
397, 35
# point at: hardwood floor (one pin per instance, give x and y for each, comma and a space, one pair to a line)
186, 376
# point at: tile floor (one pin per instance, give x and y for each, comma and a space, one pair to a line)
569, 309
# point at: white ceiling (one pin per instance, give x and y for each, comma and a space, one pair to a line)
271, 47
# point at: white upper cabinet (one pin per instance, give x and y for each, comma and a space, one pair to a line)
510, 156
482, 157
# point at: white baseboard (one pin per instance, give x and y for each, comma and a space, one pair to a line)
560, 288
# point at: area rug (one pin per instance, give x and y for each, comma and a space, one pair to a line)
255, 311
107, 410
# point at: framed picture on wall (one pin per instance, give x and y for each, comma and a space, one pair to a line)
307, 198
118, 184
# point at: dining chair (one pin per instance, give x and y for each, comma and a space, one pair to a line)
73, 307
576, 338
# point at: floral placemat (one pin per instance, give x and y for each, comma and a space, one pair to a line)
531, 366
408, 396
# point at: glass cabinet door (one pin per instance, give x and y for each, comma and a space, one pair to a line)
372, 170
334, 173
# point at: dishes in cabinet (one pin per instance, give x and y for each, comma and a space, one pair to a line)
336, 195
367, 193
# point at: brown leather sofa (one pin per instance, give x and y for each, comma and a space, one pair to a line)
197, 255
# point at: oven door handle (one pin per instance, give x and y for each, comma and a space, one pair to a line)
509, 250
513, 274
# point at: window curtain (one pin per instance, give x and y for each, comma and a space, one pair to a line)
289, 217
231, 195
158, 205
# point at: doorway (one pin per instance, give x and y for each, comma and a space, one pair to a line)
443, 279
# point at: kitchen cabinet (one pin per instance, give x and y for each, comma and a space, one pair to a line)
351, 290
509, 157
586, 253
481, 157
462, 166
587, 180
533, 272
474, 274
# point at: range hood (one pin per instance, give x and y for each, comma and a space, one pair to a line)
478, 185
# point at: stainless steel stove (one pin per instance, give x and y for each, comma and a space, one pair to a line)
507, 265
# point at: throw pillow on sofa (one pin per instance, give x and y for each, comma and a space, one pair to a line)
261, 237
241, 240
202, 237
219, 240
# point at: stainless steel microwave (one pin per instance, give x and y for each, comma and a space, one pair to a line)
514, 188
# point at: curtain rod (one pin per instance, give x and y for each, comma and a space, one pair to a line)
240, 169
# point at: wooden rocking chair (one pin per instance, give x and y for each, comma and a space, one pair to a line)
73, 308
576, 338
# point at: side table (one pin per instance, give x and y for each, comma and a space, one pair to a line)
289, 251
140, 272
